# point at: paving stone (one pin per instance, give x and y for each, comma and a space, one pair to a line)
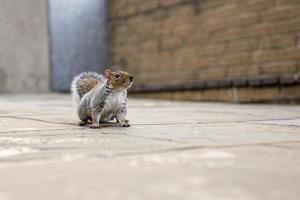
173, 150
254, 172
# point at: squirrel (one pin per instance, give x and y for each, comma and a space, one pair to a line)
101, 98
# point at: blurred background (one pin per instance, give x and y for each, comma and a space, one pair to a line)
201, 50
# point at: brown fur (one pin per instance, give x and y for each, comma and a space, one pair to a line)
118, 79
88, 85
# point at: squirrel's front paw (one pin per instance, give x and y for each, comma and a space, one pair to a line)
124, 123
95, 126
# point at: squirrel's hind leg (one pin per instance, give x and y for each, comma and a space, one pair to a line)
89, 120
85, 121
82, 122
121, 119
124, 123
83, 116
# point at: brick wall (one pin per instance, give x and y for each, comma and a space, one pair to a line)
177, 45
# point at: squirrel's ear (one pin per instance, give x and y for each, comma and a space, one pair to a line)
108, 74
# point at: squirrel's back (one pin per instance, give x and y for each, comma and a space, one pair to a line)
83, 83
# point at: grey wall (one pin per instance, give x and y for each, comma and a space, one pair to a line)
24, 60
77, 30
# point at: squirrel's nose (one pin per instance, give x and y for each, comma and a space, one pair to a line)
131, 78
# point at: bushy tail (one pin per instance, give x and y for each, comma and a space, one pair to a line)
83, 83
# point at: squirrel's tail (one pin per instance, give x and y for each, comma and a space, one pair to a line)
83, 83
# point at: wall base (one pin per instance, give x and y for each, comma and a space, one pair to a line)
276, 94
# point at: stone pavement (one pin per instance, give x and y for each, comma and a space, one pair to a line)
173, 150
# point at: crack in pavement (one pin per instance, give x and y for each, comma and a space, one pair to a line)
170, 123
157, 139
188, 148
156, 124
34, 119
13, 161
279, 125
38, 130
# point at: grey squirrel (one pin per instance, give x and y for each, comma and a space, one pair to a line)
101, 98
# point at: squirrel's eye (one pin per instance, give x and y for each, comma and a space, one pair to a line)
117, 76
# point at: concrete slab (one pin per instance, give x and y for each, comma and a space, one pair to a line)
173, 150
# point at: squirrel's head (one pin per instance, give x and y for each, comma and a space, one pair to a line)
119, 79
